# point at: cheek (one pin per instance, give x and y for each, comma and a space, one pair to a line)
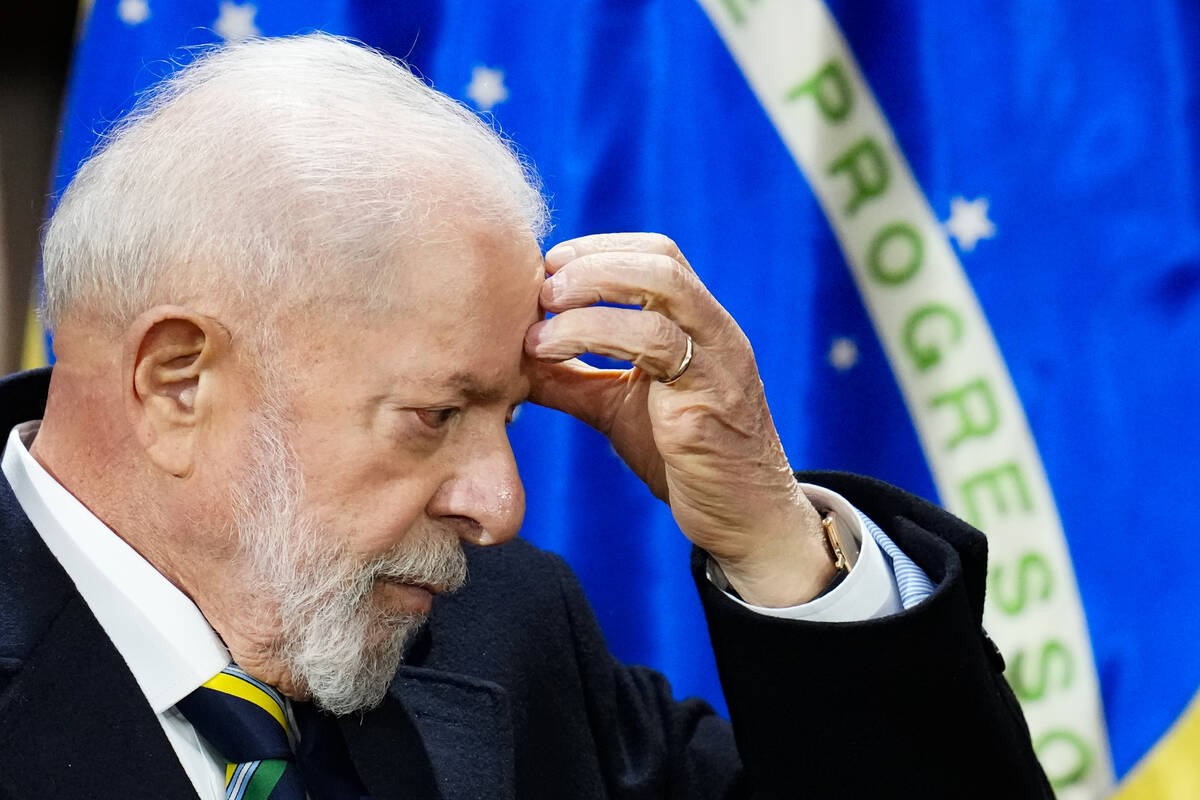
360, 484
372, 511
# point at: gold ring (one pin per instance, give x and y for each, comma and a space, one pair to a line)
683, 366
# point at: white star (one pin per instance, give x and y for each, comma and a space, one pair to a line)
969, 222
487, 88
236, 21
843, 354
133, 12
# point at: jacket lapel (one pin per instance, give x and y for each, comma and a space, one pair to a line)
98, 737
437, 736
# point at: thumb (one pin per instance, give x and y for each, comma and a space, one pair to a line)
599, 397
575, 388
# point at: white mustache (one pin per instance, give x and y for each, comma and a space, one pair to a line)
437, 563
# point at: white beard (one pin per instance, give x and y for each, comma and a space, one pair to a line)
338, 645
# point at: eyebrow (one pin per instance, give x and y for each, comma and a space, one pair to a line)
467, 385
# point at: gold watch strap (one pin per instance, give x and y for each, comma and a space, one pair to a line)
843, 557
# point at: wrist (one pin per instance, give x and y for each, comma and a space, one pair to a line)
792, 565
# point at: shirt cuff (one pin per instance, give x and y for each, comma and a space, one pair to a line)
868, 592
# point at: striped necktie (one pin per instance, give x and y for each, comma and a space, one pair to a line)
245, 721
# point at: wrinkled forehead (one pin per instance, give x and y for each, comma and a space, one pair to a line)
459, 303
471, 297
460, 267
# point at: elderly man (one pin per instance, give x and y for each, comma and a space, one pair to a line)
296, 297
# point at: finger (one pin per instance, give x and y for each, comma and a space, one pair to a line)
596, 396
654, 243
646, 339
654, 282
575, 388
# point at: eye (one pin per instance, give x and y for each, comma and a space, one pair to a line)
436, 417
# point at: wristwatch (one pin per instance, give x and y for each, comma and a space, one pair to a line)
842, 551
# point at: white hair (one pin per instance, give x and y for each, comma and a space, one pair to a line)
273, 172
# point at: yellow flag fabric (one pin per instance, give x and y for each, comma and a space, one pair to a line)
33, 353
1171, 770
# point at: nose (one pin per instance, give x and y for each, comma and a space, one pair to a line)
483, 495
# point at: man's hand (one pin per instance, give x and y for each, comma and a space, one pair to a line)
705, 443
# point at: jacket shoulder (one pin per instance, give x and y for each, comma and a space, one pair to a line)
22, 397
33, 585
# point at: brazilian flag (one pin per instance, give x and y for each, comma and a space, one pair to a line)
963, 239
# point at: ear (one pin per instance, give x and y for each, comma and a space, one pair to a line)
174, 360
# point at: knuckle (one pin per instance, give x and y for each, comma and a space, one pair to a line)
679, 279
662, 332
741, 360
664, 244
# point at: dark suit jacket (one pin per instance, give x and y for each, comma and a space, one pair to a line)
510, 692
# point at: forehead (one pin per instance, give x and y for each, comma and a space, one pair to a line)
468, 267
462, 302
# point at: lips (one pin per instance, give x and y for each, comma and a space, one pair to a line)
428, 587
412, 598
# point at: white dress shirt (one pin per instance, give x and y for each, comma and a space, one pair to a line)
171, 649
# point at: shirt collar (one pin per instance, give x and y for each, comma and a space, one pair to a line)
164, 638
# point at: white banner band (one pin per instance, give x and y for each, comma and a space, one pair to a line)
961, 398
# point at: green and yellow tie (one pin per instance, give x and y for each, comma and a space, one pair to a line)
245, 721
